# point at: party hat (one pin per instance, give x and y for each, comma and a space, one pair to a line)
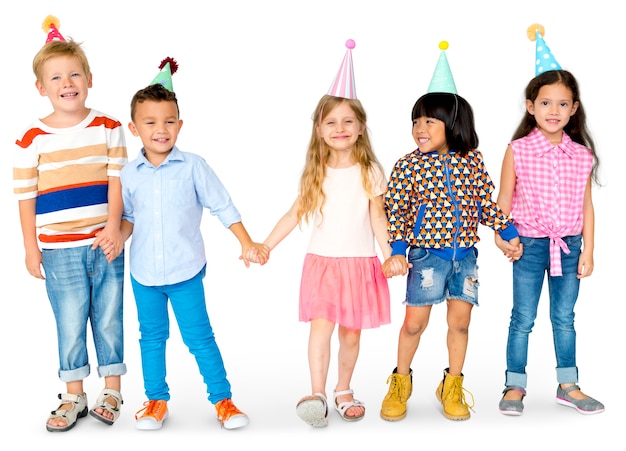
343, 84
544, 60
168, 67
442, 80
51, 26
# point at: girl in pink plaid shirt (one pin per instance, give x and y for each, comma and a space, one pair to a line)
545, 185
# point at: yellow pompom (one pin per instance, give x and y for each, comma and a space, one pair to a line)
443, 45
48, 22
531, 32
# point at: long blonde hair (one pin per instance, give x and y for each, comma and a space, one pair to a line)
312, 197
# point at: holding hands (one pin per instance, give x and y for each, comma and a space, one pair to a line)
512, 250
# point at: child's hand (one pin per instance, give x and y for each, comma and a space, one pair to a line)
33, 263
395, 265
255, 253
512, 250
111, 243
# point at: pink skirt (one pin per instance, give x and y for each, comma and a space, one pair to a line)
349, 291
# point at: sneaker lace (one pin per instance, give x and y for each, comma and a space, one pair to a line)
457, 391
151, 408
226, 410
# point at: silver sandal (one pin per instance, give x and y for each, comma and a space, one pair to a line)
101, 403
77, 410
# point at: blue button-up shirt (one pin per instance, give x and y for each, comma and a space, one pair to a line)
165, 204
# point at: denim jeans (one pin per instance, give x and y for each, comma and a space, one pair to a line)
82, 286
189, 307
529, 273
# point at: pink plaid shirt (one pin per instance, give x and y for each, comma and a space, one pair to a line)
549, 192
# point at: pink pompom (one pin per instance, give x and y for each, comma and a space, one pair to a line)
350, 44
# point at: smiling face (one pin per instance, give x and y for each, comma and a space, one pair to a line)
158, 125
64, 81
430, 135
552, 109
340, 129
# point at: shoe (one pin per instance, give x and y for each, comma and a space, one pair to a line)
587, 406
78, 409
152, 416
102, 403
229, 415
451, 394
400, 389
342, 407
512, 407
313, 410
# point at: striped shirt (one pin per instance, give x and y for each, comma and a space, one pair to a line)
67, 170
550, 189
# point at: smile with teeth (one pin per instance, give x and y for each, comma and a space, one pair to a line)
73, 94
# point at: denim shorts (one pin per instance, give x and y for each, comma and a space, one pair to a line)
432, 279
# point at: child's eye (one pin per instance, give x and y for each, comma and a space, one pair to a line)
330, 123
74, 75
544, 103
565, 104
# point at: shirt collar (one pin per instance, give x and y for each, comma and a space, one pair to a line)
174, 155
544, 145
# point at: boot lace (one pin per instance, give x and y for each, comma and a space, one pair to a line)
457, 394
398, 388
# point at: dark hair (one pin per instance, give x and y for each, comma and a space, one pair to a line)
156, 93
576, 128
457, 115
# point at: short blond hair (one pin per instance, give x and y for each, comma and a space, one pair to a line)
60, 48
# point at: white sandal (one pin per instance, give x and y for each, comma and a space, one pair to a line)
313, 410
77, 410
102, 403
342, 407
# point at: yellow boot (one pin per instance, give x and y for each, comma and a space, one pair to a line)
450, 394
400, 389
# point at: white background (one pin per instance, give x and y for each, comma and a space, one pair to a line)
251, 73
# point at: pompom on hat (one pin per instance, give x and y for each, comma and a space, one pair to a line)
544, 60
51, 26
442, 80
168, 67
343, 84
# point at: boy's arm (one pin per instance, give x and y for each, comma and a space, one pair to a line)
247, 245
29, 232
110, 238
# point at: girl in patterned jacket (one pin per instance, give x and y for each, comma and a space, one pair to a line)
437, 195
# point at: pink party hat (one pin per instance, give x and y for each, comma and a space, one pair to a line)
544, 60
343, 84
51, 26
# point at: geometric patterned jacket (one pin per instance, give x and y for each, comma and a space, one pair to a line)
437, 201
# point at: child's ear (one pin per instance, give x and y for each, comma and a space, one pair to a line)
133, 129
40, 88
530, 107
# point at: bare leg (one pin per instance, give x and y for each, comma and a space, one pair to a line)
415, 322
319, 353
349, 345
459, 315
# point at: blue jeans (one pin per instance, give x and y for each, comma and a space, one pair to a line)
529, 273
189, 307
82, 286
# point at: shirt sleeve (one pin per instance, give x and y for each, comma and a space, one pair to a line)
397, 206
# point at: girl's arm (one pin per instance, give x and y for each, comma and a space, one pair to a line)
378, 220
585, 262
512, 250
284, 226
507, 182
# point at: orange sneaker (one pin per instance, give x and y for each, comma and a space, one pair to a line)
152, 415
229, 415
